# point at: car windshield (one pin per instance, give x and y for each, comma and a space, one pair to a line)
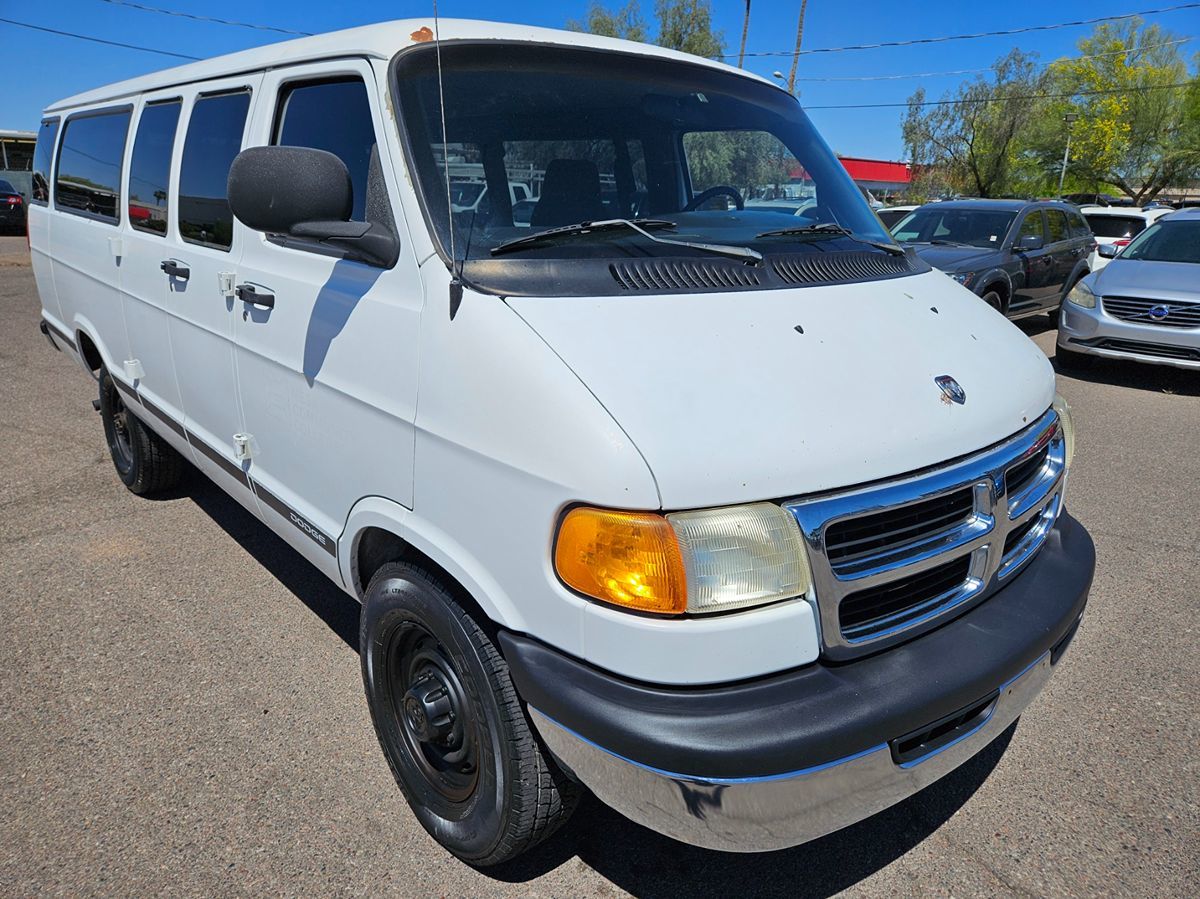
1167, 241
1118, 226
561, 136
955, 225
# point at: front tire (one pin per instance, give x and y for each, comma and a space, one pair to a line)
451, 725
145, 463
993, 299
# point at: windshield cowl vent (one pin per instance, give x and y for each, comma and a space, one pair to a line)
838, 268
660, 275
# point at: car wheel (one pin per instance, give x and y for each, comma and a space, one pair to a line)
993, 299
451, 725
145, 463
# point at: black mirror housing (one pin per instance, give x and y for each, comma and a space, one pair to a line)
273, 189
1030, 242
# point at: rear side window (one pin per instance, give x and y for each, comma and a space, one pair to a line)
88, 181
150, 167
1056, 225
334, 116
1079, 226
43, 157
214, 138
1118, 226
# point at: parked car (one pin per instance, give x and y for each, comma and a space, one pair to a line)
1021, 257
751, 523
1116, 226
889, 215
1144, 305
12, 208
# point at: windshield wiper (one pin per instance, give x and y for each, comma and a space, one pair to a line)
638, 225
833, 229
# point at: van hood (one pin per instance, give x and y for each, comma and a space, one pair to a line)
737, 397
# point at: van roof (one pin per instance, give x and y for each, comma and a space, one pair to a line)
380, 41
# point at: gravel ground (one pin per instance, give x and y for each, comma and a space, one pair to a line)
181, 711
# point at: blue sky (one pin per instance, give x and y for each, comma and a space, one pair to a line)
40, 68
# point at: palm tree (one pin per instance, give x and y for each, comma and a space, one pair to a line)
796, 55
745, 29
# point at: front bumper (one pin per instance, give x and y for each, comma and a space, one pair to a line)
788, 758
1096, 333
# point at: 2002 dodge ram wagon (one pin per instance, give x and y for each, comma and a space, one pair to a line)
748, 521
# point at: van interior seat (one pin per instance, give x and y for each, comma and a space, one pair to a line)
570, 194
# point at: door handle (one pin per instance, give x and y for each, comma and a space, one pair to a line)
175, 270
247, 294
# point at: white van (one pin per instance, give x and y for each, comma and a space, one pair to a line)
750, 522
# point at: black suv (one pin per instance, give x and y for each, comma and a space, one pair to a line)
1022, 257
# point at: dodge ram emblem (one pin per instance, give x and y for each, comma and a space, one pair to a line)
952, 391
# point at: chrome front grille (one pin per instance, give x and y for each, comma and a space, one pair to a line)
893, 559
1168, 313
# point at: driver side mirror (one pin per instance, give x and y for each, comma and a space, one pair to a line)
1108, 250
306, 193
1029, 242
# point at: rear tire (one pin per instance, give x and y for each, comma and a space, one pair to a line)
145, 463
451, 725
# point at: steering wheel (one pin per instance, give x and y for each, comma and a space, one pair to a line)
721, 190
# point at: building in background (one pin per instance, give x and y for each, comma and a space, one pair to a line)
16, 160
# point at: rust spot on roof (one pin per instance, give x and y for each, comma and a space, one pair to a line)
422, 34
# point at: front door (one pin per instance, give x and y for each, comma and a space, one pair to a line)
1031, 289
198, 263
327, 346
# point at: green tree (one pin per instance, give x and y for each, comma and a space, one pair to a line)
687, 25
626, 23
975, 138
1134, 129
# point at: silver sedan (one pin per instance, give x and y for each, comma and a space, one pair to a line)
1145, 305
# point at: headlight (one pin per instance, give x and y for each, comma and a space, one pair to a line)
963, 278
698, 562
1067, 423
1081, 295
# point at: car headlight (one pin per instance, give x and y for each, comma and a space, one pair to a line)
1067, 423
685, 562
963, 278
1082, 295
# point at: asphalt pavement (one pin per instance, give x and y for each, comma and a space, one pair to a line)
181, 711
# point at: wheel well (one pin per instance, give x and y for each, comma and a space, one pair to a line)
1000, 288
374, 547
88, 351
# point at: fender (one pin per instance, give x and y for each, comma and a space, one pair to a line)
1077, 274
81, 324
991, 276
376, 511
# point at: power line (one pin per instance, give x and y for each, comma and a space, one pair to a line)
966, 37
97, 40
197, 18
1115, 90
1121, 52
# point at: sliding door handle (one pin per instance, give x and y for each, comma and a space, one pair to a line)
248, 294
175, 270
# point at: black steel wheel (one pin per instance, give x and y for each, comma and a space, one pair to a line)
450, 723
145, 463
993, 299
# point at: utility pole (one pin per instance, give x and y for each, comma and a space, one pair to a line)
796, 55
745, 29
1068, 118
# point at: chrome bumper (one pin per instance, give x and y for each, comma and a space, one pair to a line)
757, 814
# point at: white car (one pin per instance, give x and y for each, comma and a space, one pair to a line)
752, 525
1116, 226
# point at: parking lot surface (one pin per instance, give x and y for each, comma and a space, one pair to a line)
181, 711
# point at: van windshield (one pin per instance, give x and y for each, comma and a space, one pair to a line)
559, 136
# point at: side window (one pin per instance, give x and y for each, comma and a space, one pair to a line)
1032, 226
150, 168
88, 181
1079, 225
43, 156
214, 138
1056, 224
334, 116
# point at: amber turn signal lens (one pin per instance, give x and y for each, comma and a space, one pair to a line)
630, 559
